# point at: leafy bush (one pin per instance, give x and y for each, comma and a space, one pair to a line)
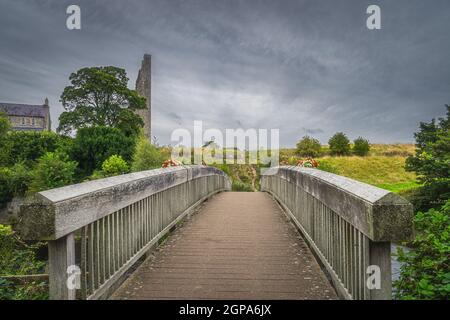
114, 166
5, 192
28, 146
361, 147
92, 146
53, 170
432, 163
339, 144
18, 258
308, 147
425, 273
240, 186
14, 182
20, 180
146, 156
5, 126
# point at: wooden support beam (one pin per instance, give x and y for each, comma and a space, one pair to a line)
61, 254
380, 255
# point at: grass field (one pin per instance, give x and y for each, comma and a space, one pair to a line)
384, 167
381, 171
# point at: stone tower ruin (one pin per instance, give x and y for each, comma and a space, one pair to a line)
144, 89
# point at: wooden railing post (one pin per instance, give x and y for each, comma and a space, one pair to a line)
61, 255
380, 256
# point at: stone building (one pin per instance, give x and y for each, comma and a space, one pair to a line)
26, 117
144, 89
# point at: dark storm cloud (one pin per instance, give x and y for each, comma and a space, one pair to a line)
305, 67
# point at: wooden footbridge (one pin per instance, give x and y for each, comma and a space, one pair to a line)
308, 234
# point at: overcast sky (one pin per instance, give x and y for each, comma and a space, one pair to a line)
303, 66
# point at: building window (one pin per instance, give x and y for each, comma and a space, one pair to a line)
32, 122
23, 121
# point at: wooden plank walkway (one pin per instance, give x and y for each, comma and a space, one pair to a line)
239, 245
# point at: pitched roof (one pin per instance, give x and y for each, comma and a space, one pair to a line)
27, 110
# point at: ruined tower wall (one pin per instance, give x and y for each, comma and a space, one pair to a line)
144, 89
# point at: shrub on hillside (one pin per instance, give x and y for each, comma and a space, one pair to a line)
339, 144
53, 170
114, 166
308, 147
425, 273
361, 147
431, 163
146, 156
93, 145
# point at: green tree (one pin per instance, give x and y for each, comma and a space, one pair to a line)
361, 147
308, 147
53, 170
114, 166
92, 146
425, 273
432, 163
339, 144
146, 156
99, 96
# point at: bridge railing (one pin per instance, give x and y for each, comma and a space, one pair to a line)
348, 224
98, 229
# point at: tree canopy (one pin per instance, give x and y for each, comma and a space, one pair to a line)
432, 162
99, 96
308, 147
339, 144
361, 147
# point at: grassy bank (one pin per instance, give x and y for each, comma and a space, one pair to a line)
387, 172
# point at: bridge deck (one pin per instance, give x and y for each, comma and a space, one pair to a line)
238, 246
